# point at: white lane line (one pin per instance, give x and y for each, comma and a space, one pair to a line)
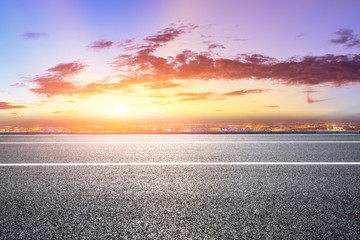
172, 164
178, 142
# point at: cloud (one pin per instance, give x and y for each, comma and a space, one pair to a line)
302, 35
125, 43
19, 85
243, 92
10, 106
161, 102
215, 95
161, 85
55, 80
347, 37
141, 66
199, 96
335, 70
310, 91
153, 42
101, 44
34, 35
56, 112
240, 39
213, 46
58, 81
170, 33
272, 106
155, 95
310, 100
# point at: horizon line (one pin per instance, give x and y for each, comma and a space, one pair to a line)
172, 164
181, 132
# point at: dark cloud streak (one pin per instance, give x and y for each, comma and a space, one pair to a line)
347, 37
101, 44
34, 35
310, 100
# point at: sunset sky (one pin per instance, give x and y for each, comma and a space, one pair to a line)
94, 63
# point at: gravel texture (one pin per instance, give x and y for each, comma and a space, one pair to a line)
200, 202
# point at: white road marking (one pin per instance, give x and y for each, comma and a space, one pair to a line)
172, 164
178, 142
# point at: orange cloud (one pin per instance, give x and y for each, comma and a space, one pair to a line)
216, 96
10, 106
161, 85
56, 80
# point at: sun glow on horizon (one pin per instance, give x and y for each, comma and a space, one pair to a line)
119, 110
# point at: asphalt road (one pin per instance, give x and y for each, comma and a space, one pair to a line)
180, 202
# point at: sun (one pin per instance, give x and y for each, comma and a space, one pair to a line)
119, 110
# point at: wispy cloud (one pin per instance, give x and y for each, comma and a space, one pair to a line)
19, 85
161, 102
102, 44
309, 97
170, 33
161, 85
215, 95
302, 35
151, 43
272, 106
244, 92
34, 35
347, 37
310, 100
10, 106
214, 46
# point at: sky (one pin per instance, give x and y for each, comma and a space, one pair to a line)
107, 63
